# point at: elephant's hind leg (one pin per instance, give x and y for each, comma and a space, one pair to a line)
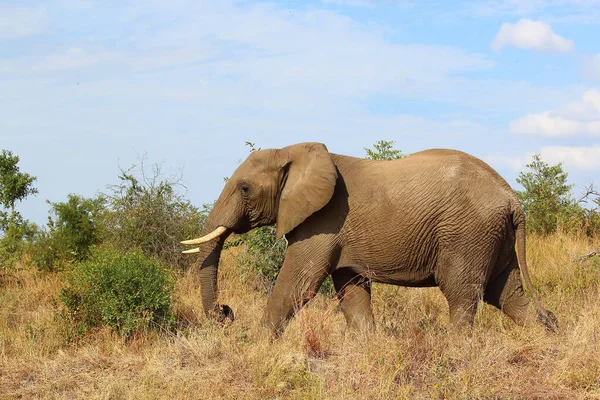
463, 305
506, 293
462, 280
354, 293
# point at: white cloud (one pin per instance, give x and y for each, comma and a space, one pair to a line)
531, 35
267, 46
588, 108
577, 118
73, 58
265, 51
582, 158
21, 21
303, 52
574, 158
547, 125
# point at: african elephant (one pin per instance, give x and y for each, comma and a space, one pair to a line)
436, 218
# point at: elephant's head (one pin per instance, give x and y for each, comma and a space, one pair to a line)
283, 186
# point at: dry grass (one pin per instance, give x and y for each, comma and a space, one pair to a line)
413, 354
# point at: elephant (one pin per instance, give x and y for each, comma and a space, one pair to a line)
435, 218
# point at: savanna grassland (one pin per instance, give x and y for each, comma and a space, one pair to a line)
412, 354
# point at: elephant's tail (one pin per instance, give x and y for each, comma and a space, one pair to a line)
545, 316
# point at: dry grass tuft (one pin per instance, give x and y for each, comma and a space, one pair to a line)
413, 354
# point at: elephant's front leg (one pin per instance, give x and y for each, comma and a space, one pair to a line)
304, 270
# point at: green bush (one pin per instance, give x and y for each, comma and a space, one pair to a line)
123, 291
148, 214
13, 243
384, 150
547, 198
15, 186
549, 203
73, 228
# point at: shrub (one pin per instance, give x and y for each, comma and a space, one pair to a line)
75, 228
123, 291
549, 203
14, 186
148, 214
383, 150
547, 199
14, 243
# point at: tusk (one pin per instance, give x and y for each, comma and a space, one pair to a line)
213, 235
192, 251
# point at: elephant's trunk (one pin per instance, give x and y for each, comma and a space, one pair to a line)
218, 226
210, 253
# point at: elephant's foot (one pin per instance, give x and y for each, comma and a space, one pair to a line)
222, 313
548, 319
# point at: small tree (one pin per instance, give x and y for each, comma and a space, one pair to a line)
78, 220
384, 150
73, 228
586, 216
547, 198
14, 186
148, 214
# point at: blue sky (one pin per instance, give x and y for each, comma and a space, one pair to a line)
89, 86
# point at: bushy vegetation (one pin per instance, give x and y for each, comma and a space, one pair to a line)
14, 243
15, 186
384, 150
149, 214
123, 291
74, 227
113, 249
549, 203
146, 214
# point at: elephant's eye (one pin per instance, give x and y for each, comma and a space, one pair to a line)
244, 189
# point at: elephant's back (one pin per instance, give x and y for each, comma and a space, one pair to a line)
459, 178
440, 182
443, 169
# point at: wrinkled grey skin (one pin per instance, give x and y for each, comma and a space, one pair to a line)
436, 218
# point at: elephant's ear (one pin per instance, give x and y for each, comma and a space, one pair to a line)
311, 176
